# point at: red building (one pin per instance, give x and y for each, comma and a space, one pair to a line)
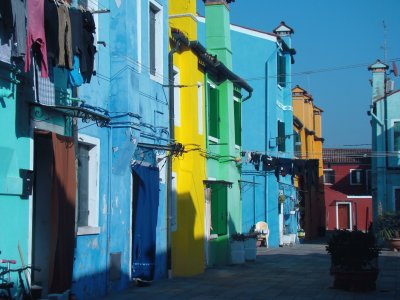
348, 200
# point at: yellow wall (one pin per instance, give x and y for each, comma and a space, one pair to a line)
188, 240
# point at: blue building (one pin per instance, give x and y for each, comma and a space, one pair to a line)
84, 175
385, 121
267, 130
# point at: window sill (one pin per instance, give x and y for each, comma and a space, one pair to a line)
213, 236
213, 139
156, 78
88, 230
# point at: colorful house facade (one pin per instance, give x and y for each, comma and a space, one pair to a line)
308, 142
266, 131
347, 185
385, 122
85, 168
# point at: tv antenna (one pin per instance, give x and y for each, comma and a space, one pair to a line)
384, 42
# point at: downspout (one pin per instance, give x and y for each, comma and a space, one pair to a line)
108, 220
171, 79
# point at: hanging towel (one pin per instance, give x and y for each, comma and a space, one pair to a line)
36, 36
51, 30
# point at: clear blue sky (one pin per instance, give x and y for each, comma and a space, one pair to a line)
331, 34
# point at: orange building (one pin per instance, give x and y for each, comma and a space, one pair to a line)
307, 129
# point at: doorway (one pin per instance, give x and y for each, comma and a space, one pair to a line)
54, 198
145, 200
343, 215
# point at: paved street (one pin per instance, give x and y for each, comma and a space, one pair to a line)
298, 272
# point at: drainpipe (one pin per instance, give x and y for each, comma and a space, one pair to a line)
171, 79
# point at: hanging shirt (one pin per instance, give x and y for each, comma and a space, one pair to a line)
51, 30
75, 77
20, 27
87, 63
65, 56
36, 36
76, 30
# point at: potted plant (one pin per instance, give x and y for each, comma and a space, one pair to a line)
237, 248
250, 246
354, 260
388, 228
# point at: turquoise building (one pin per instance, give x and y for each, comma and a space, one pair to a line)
81, 163
385, 122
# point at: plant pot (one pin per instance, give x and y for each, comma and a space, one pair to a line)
237, 252
362, 280
250, 249
394, 244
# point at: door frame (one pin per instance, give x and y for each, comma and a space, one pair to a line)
350, 213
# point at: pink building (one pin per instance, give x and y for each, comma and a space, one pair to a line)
347, 177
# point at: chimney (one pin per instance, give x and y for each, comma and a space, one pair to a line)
378, 79
218, 33
285, 32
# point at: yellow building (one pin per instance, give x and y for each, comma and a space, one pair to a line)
188, 204
307, 127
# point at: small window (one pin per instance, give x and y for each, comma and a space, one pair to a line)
281, 70
396, 136
281, 136
356, 177
219, 210
155, 40
238, 121
329, 176
88, 187
297, 144
213, 112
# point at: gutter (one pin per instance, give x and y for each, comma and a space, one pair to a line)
211, 62
171, 79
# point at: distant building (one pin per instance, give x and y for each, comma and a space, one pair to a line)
308, 141
385, 122
347, 185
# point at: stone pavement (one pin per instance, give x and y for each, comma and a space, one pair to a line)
297, 272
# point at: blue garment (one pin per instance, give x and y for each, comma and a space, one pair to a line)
146, 192
75, 76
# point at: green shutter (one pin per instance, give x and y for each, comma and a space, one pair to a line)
281, 69
213, 114
238, 122
281, 136
396, 136
219, 210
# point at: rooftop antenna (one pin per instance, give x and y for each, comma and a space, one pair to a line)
384, 42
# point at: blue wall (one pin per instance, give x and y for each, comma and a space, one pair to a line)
122, 86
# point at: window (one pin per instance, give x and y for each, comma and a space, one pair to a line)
177, 98
297, 143
329, 176
368, 180
396, 136
213, 112
200, 107
281, 136
281, 70
219, 209
155, 40
238, 121
356, 177
397, 199
88, 187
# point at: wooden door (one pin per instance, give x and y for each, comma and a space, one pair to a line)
343, 216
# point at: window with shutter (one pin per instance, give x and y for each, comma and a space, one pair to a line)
396, 136
213, 112
152, 39
281, 136
281, 70
238, 121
